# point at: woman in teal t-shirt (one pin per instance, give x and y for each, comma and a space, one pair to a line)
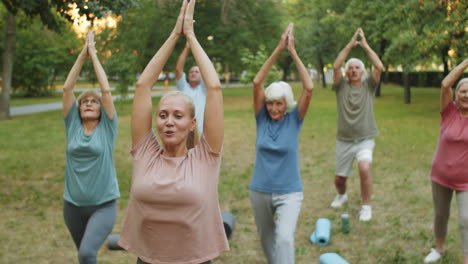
91, 186
276, 188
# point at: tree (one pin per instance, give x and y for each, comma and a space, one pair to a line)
316, 25
223, 28
47, 11
41, 55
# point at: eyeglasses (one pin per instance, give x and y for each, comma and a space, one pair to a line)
90, 101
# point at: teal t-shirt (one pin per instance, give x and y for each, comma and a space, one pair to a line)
90, 177
276, 167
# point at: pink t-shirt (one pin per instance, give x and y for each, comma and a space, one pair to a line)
173, 213
450, 164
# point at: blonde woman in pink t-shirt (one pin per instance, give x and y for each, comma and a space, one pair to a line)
173, 213
449, 172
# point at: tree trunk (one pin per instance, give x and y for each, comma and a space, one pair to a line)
386, 75
227, 75
383, 45
322, 74
7, 67
444, 53
407, 87
286, 66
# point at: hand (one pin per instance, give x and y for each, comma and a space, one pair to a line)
363, 42
284, 38
179, 26
188, 19
291, 44
354, 42
90, 43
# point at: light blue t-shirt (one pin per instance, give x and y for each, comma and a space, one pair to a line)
90, 177
198, 95
277, 159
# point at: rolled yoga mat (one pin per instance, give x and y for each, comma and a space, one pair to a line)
332, 258
321, 235
112, 242
229, 221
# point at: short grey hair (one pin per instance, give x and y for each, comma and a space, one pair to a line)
92, 93
278, 90
460, 83
361, 64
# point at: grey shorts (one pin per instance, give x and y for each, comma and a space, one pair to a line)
347, 151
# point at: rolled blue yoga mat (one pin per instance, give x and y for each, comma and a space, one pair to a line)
321, 235
332, 258
113, 242
229, 222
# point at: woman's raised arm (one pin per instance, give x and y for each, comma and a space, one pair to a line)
307, 84
213, 127
446, 95
68, 97
142, 105
107, 101
259, 93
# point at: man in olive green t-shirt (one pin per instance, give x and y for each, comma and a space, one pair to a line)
356, 126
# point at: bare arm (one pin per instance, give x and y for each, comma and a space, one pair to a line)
142, 105
179, 70
446, 95
107, 101
342, 57
68, 97
213, 127
307, 84
259, 93
376, 62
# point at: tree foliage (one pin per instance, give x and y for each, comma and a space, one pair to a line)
41, 55
252, 62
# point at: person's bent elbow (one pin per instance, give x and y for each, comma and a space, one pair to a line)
257, 82
140, 85
215, 86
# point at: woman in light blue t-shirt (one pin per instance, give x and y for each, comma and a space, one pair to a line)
91, 186
276, 188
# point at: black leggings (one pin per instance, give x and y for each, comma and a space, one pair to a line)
89, 227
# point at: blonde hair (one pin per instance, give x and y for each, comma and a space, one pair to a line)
278, 90
89, 93
193, 137
86, 94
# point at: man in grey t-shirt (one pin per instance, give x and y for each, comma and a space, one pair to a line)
356, 126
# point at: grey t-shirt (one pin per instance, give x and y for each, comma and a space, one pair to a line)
356, 109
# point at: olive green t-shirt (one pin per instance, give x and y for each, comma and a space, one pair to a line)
356, 109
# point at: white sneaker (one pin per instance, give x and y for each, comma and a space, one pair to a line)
366, 213
339, 200
433, 256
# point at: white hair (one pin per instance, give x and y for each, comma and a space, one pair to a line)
361, 64
460, 83
278, 90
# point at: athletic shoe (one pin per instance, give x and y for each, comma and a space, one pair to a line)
433, 256
339, 200
366, 213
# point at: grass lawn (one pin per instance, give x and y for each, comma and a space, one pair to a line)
32, 162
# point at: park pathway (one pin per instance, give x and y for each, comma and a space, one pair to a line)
36, 108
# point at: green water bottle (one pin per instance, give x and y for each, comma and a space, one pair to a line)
345, 228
